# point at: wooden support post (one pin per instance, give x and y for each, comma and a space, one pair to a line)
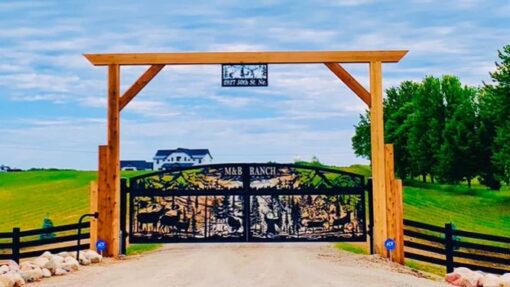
390, 195
377, 146
113, 174
399, 219
93, 209
102, 196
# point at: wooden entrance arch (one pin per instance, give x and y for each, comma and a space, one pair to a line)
387, 191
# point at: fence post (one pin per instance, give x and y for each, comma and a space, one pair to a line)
15, 244
448, 237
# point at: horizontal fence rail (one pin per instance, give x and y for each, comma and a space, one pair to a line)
450, 247
23, 244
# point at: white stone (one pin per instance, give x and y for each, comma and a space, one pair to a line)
4, 269
64, 254
60, 272
504, 280
41, 261
58, 259
32, 275
489, 280
47, 254
13, 266
6, 280
84, 261
46, 273
93, 256
71, 264
18, 279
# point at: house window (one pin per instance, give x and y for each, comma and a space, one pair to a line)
178, 158
200, 160
157, 161
172, 159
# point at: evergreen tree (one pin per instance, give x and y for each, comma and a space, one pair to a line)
47, 223
459, 150
425, 137
398, 108
486, 134
361, 138
499, 100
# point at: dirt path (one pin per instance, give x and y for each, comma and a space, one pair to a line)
287, 265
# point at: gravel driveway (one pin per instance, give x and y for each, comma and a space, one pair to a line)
287, 265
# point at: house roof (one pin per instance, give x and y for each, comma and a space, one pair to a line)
138, 164
194, 153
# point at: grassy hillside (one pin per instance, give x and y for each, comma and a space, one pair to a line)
476, 209
26, 197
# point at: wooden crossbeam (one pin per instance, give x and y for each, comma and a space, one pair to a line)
351, 82
280, 57
144, 79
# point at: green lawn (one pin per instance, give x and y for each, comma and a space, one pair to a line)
26, 197
476, 209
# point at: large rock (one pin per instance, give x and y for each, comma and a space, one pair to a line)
464, 277
60, 271
30, 271
70, 264
93, 256
504, 280
489, 280
46, 273
6, 281
13, 266
84, 261
47, 254
58, 259
4, 269
41, 262
18, 279
64, 254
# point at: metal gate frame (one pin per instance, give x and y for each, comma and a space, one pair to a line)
137, 187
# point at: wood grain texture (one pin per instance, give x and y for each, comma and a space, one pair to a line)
137, 86
280, 57
92, 209
390, 198
102, 195
113, 174
350, 82
399, 221
378, 163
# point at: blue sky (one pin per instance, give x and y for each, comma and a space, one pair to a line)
52, 101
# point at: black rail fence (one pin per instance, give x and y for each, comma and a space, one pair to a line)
20, 244
450, 247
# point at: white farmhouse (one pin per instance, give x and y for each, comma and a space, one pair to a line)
181, 157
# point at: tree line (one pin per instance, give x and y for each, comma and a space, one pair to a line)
445, 131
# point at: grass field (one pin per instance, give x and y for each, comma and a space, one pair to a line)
27, 197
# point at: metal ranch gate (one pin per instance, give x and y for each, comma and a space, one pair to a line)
245, 203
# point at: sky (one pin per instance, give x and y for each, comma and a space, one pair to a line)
53, 101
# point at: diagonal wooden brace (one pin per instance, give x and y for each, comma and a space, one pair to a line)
139, 85
351, 82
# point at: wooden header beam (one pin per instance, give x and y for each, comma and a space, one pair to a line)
207, 58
